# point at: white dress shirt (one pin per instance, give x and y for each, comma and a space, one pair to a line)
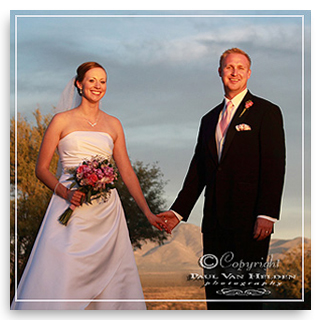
236, 102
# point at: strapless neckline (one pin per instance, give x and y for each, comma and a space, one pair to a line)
79, 145
84, 131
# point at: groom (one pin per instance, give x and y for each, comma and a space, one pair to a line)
239, 160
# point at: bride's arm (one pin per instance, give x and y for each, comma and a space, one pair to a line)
130, 179
48, 146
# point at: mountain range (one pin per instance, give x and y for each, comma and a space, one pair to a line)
183, 248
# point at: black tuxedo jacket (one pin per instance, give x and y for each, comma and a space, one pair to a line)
248, 179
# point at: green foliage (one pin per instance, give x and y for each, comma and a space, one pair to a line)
152, 185
150, 178
32, 196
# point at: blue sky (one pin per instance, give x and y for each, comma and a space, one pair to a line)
162, 78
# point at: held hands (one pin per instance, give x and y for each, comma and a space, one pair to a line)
262, 229
158, 223
169, 218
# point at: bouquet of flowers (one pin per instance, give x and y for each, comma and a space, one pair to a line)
95, 178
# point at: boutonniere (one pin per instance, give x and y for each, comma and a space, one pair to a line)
248, 104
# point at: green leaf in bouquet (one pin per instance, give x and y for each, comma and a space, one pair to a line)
89, 196
73, 184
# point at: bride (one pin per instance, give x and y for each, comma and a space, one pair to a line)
88, 264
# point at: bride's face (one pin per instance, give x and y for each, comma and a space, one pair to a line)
94, 85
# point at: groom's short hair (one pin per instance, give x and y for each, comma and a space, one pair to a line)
234, 50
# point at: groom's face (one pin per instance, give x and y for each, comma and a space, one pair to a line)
235, 73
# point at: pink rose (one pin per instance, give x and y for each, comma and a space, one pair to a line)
92, 179
80, 169
247, 105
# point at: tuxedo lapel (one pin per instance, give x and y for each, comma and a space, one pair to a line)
234, 122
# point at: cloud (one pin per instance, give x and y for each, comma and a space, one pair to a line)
181, 49
152, 49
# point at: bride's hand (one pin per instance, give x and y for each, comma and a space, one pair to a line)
158, 223
75, 197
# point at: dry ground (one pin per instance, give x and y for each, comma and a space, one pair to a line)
162, 288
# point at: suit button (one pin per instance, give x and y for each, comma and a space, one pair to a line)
219, 169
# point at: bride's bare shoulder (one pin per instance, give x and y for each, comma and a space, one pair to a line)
112, 121
63, 115
61, 119
114, 126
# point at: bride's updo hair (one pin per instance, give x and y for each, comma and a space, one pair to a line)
82, 69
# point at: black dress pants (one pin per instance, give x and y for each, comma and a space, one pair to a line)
234, 266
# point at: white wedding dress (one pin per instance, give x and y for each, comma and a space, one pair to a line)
88, 264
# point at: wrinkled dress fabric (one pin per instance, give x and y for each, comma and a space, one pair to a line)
90, 263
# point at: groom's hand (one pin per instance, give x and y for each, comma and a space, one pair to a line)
262, 229
169, 218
